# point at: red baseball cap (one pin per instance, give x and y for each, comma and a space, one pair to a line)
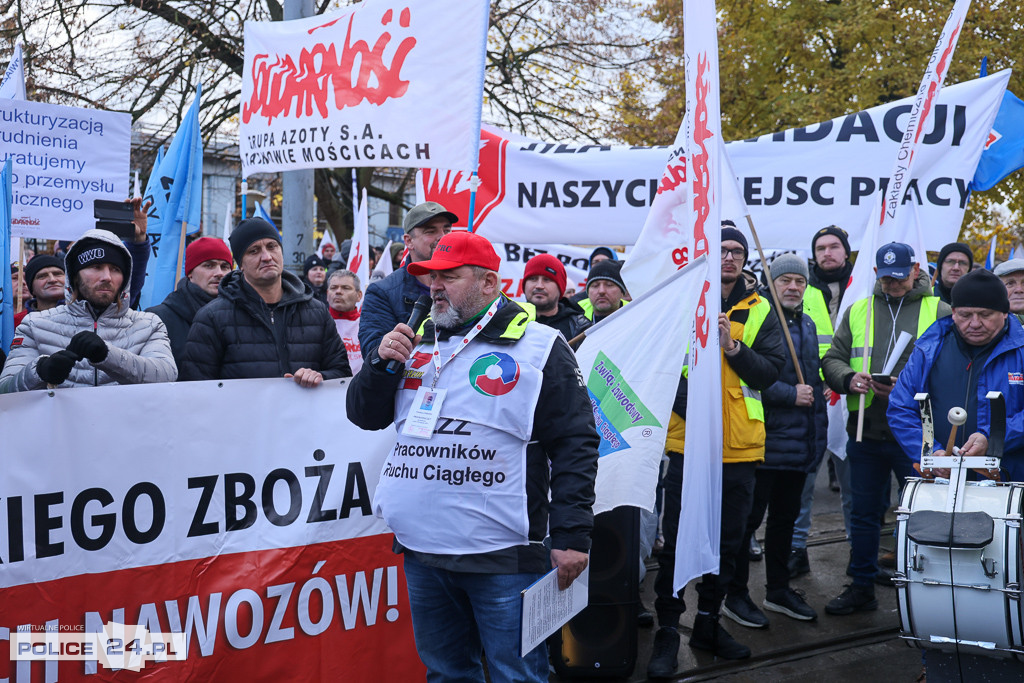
458, 248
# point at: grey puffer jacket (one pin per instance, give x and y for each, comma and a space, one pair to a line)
139, 350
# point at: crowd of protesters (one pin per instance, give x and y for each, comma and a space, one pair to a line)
238, 313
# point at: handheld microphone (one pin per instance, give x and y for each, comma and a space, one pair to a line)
420, 311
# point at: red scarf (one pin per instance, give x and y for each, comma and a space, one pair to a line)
348, 315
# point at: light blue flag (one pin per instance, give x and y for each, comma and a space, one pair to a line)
990, 260
260, 212
6, 286
176, 189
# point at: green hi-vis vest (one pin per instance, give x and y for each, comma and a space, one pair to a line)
858, 322
817, 309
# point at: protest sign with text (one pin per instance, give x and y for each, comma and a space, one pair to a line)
252, 537
380, 83
795, 181
64, 158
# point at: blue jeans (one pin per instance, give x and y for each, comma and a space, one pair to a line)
870, 465
457, 616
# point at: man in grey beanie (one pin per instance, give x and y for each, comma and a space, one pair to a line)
796, 427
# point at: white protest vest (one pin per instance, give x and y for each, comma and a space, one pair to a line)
349, 331
463, 491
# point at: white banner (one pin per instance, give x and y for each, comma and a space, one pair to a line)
631, 362
697, 543
64, 158
380, 83
12, 84
236, 512
795, 181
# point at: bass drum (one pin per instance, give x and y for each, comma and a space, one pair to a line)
962, 597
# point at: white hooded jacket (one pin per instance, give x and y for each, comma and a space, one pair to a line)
139, 350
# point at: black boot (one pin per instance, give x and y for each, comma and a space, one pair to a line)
665, 655
709, 635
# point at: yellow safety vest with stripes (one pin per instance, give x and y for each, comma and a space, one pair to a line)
927, 315
817, 309
742, 408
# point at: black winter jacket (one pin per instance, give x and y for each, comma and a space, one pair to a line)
238, 336
386, 303
569, 319
795, 437
561, 456
178, 311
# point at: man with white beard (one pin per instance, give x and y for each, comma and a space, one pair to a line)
492, 415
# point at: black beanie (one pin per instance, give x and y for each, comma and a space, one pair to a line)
247, 232
311, 262
731, 233
955, 246
91, 251
607, 270
607, 251
835, 231
980, 289
37, 263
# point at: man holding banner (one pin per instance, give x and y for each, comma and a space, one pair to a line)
751, 341
95, 339
492, 415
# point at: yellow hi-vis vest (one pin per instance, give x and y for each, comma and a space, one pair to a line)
742, 409
588, 308
858, 322
817, 309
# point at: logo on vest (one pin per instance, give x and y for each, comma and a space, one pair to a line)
494, 374
1015, 377
889, 258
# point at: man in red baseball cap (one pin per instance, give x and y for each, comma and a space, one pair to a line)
544, 286
490, 398
207, 261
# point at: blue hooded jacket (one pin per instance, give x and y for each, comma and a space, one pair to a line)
1003, 371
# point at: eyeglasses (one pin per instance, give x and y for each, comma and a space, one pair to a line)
737, 254
956, 262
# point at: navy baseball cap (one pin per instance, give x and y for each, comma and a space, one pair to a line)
895, 260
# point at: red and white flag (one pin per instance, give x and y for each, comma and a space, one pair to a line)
895, 222
379, 83
700, 517
358, 261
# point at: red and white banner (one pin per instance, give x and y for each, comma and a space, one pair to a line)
697, 542
795, 181
380, 83
235, 512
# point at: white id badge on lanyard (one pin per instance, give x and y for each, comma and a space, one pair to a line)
426, 408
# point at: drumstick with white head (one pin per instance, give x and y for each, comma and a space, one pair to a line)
957, 416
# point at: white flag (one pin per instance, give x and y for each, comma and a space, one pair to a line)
12, 87
358, 261
894, 223
631, 362
385, 266
229, 214
697, 544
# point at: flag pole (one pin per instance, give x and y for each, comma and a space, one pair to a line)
21, 276
778, 304
474, 183
181, 252
245, 195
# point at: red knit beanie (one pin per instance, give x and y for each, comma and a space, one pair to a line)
548, 266
206, 249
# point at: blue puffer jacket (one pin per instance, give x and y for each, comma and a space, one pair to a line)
795, 437
1003, 371
387, 302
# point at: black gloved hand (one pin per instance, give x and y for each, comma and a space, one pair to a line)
56, 368
88, 345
